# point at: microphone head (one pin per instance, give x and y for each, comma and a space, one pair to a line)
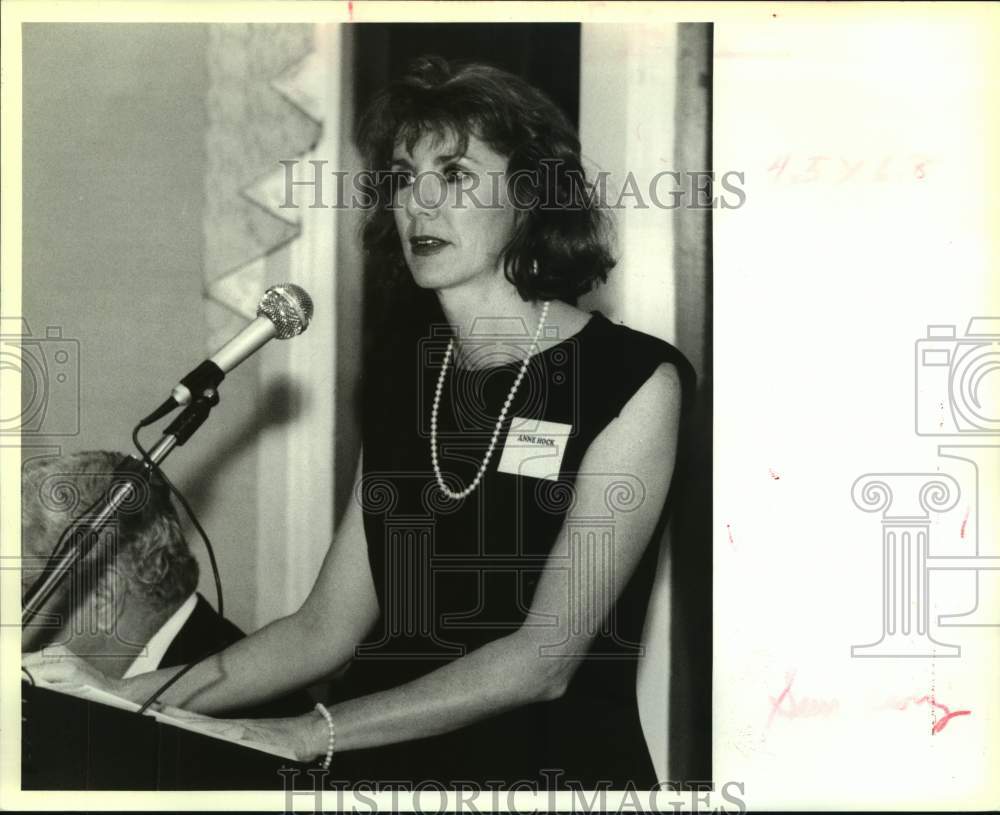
289, 307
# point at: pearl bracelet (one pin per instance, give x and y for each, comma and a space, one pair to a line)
333, 736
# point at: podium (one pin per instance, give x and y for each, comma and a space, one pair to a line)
68, 743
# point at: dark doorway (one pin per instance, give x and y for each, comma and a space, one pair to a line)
546, 54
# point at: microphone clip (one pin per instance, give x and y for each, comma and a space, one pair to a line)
193, 416
207, 376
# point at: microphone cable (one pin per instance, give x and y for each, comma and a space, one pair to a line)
160, 690
154, 467
289, 310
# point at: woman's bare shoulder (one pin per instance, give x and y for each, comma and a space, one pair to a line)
657, 403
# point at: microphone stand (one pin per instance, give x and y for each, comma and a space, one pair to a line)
86, 532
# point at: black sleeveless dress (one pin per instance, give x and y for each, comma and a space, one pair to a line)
452, 575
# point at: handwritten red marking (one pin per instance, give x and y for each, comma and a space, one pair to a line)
850, 169
797, 709
813, 173
774, 475
961, 532
776, 703
807, 168
882, 173
350, 9
730, 533
778, 167
949, 714
947, 718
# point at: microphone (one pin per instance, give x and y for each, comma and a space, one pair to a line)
283, 312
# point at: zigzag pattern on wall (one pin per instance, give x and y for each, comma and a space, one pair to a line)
264, 106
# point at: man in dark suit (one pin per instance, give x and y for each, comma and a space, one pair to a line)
133, 606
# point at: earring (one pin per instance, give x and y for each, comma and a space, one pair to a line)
534, 268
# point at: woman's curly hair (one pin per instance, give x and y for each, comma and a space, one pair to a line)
565, 230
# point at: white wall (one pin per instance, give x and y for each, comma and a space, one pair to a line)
303, 466
628, 113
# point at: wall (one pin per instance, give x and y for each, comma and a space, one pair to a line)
644, 109
113, 170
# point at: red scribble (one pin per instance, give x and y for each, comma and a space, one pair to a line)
774, 475
961, 532
938, 725
776, 703
730, 533
797, 709
350, 9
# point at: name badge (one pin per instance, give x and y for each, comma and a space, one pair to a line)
534, 448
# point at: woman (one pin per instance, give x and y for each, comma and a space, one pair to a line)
487, 587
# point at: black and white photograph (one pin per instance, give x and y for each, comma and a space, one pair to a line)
499, 407
431, 539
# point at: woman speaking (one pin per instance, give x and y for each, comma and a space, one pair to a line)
484, 597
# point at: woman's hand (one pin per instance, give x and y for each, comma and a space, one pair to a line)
304, 737
59, 665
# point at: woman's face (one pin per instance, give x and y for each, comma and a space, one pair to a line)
452, 212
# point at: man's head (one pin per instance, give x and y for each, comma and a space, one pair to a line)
132, 580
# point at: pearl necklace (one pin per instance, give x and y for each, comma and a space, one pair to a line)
496, 429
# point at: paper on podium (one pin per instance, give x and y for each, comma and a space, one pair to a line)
90, 694
221, 729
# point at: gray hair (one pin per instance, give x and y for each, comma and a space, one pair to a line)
150, 548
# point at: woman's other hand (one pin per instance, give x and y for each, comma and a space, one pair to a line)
59, 665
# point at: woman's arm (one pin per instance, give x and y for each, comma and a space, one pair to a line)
537, 662
289, 653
